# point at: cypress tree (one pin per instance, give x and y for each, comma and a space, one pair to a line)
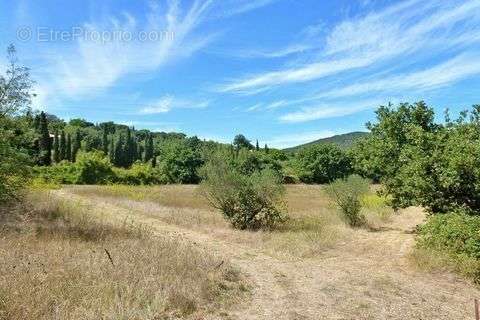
44, 143
129, 150
148, 148
154, 161
76, 145
257, 147
36, 123
111, 151
266, 148
119, 153
63, 146
56, 154
140, 150
68, 152
105, 141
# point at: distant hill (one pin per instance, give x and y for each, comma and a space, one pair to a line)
344, 141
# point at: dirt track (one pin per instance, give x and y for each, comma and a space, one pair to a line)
366, 277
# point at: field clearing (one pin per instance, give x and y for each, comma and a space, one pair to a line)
63, 259
312, 268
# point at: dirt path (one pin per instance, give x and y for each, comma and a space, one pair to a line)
366, 277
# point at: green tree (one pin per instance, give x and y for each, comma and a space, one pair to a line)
15, 98
111, 151
240, 141
119, 158
76, 145
148, 148
257, 147
45, 145
68, 151
322, 163
105, 141
63, 146
56, 152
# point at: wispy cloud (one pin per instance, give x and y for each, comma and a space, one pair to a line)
408, 28
444, 74
324, 111
233, 7
254, 107
88, 67
169, 102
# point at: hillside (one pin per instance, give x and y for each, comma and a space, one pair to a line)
342, 140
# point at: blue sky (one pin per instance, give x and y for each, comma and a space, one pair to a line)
284, 72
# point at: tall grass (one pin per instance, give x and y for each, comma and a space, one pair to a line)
59, 263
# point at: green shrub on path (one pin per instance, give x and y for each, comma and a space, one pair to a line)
347, 194
248, 201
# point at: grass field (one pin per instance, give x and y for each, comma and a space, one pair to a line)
173, 256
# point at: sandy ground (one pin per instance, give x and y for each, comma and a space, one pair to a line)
367, 276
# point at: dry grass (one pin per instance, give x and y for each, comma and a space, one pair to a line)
314, 225
55, 266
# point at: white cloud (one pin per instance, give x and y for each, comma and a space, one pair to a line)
402, 30
447, 73
306, 73
168, 102
254, 107
279, 53
276, 104
88, 67
233, 7
162, 105
324, 111
295, 139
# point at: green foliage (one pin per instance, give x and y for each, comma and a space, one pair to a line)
93, 168
240, 141
179, 162
423, 163
322, 164
248, 201
90, 168
56, 148
14, 172
457, 235
347, 194
15, 138
138, 174
44, 142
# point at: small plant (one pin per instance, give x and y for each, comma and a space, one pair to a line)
347, 194
248, 201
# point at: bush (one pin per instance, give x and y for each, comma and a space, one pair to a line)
347, 194
14, 172
93, 168
322, 163
179, 162
138, 174
248, 201
456, 234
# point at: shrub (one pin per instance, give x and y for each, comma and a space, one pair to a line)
179, 162
456, 234
248, 201
93, 168
322, 163
138, 174
347, 194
